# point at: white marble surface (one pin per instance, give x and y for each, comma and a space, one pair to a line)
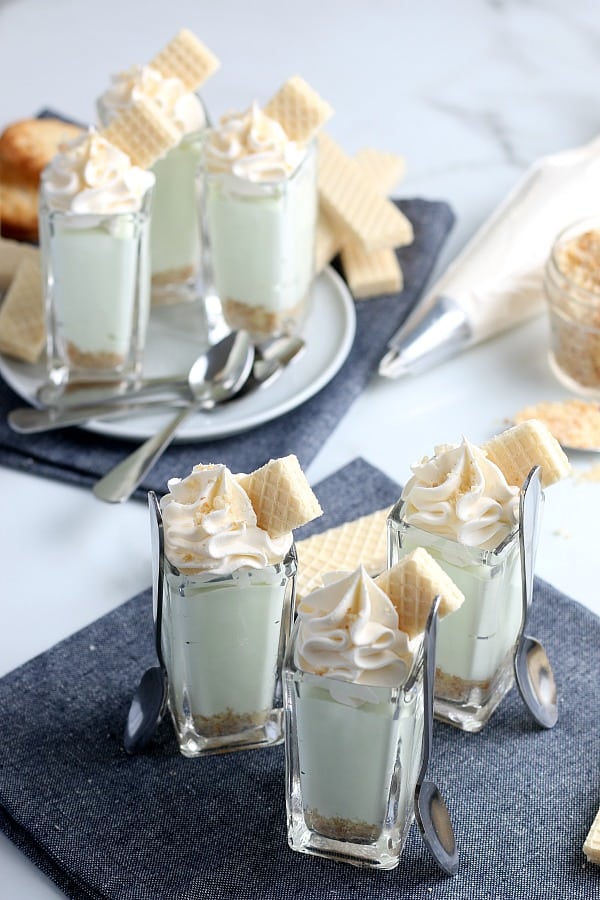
471, 92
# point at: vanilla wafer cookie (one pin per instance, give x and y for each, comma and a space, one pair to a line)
142, 131
299, 110
383, 168
186, 58
520, 448
11, 255
360, 542
354, 202
591, 846
281, 496
22, 326
371, 273
328, 241
412, 584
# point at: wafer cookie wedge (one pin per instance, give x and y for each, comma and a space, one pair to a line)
299, 110
281, 496
591, 846
186, 58
352, 200
412, 584
142, 131
360, 542
370, 274
520, 448
11, 255
22, 325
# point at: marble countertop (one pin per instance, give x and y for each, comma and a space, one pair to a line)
471, 93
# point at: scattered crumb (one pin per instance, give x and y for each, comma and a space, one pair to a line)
574, 423
563, 533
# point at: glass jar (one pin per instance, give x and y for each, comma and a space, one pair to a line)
353, 754
475, 644
572, 285
223, 639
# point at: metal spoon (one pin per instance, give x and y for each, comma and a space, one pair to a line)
533, 671
120, 483
150, 699
431, 811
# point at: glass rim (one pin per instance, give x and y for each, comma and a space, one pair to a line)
70, 215
288, 566
309, 152
579, 226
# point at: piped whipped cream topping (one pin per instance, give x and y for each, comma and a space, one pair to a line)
90, 175
252, 146
461, 494
182, 106
210, 525
348, 630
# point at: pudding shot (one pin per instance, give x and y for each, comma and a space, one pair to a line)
260, 210
353, 681
462, 505
230, 568
94, 220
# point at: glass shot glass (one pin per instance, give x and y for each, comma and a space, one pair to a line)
260, 243
96, 281
572, 286
224, 639
475, 644
353, 754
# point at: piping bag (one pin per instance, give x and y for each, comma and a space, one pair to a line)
496, 282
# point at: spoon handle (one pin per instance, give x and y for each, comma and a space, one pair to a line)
29, 420
429, 642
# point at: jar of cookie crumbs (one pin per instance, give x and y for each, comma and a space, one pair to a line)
572, 284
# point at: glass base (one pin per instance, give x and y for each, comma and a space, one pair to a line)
592, 392
469, 705
266, 734
168, 293
383, 853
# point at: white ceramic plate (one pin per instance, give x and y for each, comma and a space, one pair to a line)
171, 348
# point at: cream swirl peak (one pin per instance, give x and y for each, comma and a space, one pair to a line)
348, 630
461, 494
91, 175
210, 525
183, 107
252, 146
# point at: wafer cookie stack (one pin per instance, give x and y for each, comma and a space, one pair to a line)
591, 847
22, 326
412, 585
517, 450
281, 496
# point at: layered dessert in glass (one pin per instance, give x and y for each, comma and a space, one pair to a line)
228, 601
94, 235
462, 505
353, 681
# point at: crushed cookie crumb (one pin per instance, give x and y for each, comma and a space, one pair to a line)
574, 423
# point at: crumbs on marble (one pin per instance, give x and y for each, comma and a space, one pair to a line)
562, 533
574, 423
591, 474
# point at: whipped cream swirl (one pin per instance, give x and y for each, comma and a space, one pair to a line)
183, 107
252, 146
348, 630
461, 494
90, 175
210, 525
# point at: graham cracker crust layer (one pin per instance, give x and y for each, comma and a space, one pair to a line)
228, 722
341, 829
451, 687
85, 360
263, 321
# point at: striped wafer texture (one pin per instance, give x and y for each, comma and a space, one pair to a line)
591, 846
298, 108
360, 542
11, 254
281, 496
412, 584
520, 448
371, 273
186, 58
22, 324
142, 131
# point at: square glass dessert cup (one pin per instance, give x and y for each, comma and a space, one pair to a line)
475, 644
260, 244
96, 282
224, 639
353, 754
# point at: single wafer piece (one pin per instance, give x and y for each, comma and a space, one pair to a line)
11, 255
384, 169
591, 846
142, 131
371, 273
281, 496
351, 198
328, 241
22, 327
298, 109
412, 585
186, 58
520, 448
360, 542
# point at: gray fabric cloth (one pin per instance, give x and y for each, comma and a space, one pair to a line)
79, 457
160, 827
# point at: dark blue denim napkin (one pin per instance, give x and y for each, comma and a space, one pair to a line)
162, 827
79, 457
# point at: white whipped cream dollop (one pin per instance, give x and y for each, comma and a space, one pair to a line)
348, 630
461, 494
252, 146
90, 175
183, 107
210, 525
